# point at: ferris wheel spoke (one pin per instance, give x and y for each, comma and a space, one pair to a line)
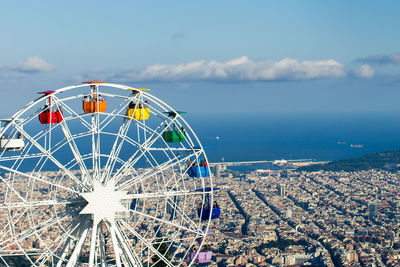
115, 245
72, 112
38, 179
113, 114
95, 147
67, 243
181, 227
102, 248
142, 148
114, 154
172, 203
22, 251
49, 156
132, 256
61, 239
130, 162
25, 156
15, 218
178, 210
4, 261
162, 194
31, 204
93, 242
75, 150
82, 234
149, 246
31, 231
11, 187
127, 164
154, 132
56, 244
160, 168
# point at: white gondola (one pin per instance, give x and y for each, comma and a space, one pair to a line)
11, 142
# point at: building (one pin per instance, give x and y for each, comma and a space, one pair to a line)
282, 188
373, 210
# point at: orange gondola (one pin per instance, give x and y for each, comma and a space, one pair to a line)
94, 103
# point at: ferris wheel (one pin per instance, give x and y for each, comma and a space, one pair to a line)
102, 174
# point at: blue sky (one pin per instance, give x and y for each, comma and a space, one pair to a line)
202, 56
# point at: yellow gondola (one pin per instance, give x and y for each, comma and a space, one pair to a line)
138, 113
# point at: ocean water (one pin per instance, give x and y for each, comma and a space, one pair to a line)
253, 137
247, 137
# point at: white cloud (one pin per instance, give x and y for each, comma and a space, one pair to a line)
238, 69
365, 71
34, 64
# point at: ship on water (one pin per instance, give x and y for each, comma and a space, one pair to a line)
357, 146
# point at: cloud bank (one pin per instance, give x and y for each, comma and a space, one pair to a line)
238, 69
381, 59
34, 65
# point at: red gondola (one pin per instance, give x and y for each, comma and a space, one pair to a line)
50, 115
46, 117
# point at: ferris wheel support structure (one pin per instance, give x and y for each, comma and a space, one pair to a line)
100, 181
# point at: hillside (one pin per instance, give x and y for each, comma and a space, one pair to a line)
384, 160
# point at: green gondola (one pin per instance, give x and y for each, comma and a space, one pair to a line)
174, 136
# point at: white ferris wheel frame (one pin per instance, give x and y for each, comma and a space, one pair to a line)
67, 248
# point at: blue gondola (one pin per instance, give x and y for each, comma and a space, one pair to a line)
205, 211
198, 171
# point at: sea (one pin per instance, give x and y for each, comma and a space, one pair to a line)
268, 137
321, 137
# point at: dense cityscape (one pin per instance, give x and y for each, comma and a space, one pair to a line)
296, 218
290, 218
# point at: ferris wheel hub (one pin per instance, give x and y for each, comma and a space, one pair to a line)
104, 202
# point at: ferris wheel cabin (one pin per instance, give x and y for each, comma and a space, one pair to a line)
202, 257
140, 113
198, 171
137, 109
94, 102
174, 135
204, 213
11, 142
50, 114
209, 210
50, 117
